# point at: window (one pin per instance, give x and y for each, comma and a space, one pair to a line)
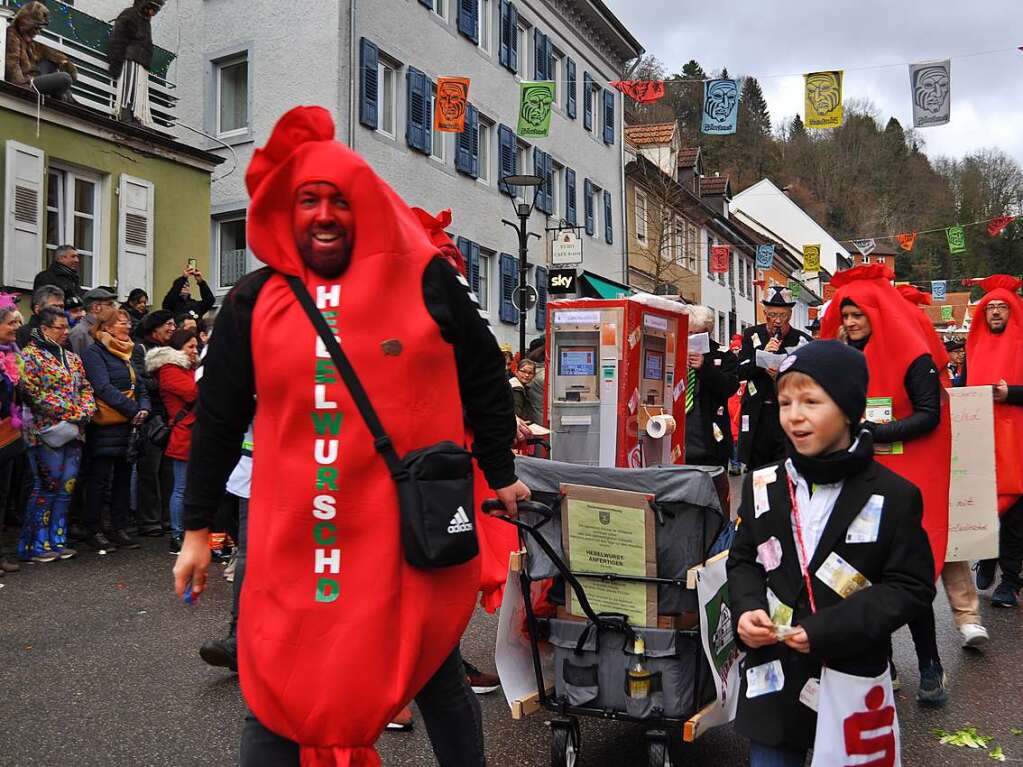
721, 328
731, 270
692, 248
679, 240
486, 130
589, 102
556, 190
557, 74
522, 33
437, 144
231, 101
594, 203
641, 213
483, 292
231, 256
388, 78
440, 7
742, 277
72, 218
483, 13
749, 279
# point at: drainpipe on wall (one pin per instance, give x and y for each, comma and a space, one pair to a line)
621, 169
353, 79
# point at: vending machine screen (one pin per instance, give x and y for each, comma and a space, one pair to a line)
653, 370
578, 361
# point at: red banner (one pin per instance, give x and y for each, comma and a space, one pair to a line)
720, 258
995, 226
906, 240
643, 91
451, 104
829, 291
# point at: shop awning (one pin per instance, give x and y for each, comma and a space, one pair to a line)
601, 287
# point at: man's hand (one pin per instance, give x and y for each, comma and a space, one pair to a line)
773, 372
799, 641
773, 345
756, 629
140, 418
192, 562
198, 275
522, 430
696, 361
509, 496
1000, 391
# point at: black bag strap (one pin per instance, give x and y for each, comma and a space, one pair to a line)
381, 441
182, 414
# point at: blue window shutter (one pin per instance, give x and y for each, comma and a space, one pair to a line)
509, 265
588, 205
548, 60
464, 143
587, 101
465, 248
609, 117
427, 3
538, 50
474, 118
609, 234
418, 107
507, 158
473, 267
513, 41
541, 191
570, 84
541, 298
570, 204
506, 32
548, 184
369, 94
468, 21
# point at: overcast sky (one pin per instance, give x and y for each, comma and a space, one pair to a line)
770, 37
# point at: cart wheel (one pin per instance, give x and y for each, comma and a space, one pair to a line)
657, 753
564, 744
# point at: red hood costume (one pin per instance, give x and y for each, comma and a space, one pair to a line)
337, 632
497, 539
939, 353
896, 341
990, 358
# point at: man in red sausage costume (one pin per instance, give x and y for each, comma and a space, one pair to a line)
994, 356
336, 631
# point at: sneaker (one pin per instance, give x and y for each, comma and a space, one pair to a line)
974, 635
100, 542
985, 570
49, 556
7, 566
175, 543
67, 553
124, 541
403, 722
481, 683
896, 682
229, 570
1005, 596
219, 557
222, 653
933, 686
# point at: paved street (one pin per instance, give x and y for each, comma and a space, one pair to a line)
98, 667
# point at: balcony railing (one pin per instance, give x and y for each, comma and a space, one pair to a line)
85, 40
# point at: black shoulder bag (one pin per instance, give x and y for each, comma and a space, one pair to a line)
158, 431
435, 498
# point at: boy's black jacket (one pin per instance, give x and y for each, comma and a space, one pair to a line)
849, 635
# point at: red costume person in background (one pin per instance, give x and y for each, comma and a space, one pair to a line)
896, 342
939, 353
992, 358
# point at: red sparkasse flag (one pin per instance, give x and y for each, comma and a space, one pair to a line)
642, 91
720, 258
996, 225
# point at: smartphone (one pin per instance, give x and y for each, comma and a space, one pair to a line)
193, 264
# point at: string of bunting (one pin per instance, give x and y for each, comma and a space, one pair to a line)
955, 235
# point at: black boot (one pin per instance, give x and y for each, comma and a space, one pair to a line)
222, 653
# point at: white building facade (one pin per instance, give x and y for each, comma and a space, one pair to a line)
243, 63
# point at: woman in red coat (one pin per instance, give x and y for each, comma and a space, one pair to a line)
174, 368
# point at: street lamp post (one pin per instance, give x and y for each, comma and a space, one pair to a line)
523, 210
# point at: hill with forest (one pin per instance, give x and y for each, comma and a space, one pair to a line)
869, 178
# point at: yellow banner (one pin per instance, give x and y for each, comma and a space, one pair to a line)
811, 259
823, 99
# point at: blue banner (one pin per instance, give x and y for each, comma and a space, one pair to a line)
765, 256
939, 290
720, 107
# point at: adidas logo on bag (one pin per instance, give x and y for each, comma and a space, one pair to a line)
460, 522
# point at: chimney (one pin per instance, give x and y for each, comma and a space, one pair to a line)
716, 192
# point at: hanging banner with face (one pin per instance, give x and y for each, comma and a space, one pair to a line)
641, 91
765, 256
956, 239
811, 259
947, 313
906, 240
823, 99
720, 258
452, 101
795, 288
535, 109
865, 247
720, 107
930, 82
939, 290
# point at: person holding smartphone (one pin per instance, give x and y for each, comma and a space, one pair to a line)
179, 298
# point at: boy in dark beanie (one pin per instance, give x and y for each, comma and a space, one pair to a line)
868, 567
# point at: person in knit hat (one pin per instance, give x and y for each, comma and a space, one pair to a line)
829, 558
994, 357
337, 632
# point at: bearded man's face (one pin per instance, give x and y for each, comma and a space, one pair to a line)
324, 228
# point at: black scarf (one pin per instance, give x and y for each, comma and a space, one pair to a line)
834, 467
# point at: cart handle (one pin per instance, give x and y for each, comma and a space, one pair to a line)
492, 505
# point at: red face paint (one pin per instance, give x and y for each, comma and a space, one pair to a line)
323, 227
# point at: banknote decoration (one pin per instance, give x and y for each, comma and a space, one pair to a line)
932, 96
823, 99
720, 107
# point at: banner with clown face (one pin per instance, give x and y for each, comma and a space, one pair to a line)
535, 109
823, 99
930, 82
720, 107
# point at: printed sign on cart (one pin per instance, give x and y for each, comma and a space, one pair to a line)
719, 644
566, 249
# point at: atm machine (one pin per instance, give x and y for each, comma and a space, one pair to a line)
616, 381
